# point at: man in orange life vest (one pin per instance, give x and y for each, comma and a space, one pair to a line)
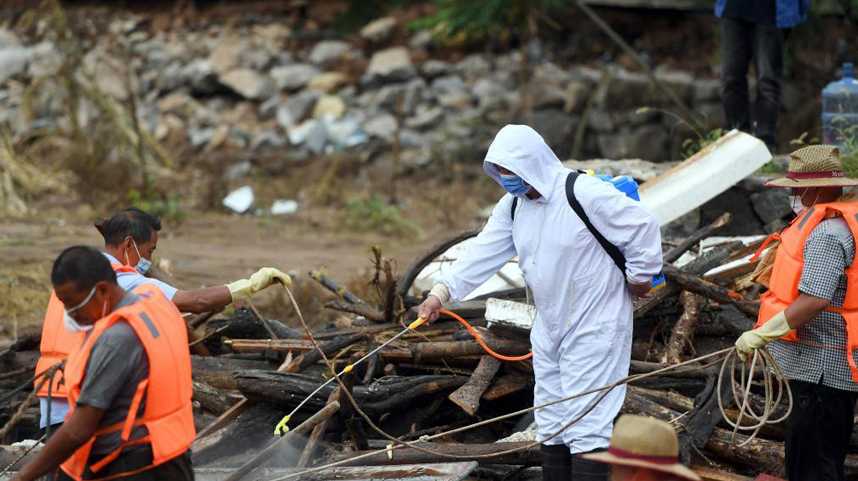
810, 314
130, 238
129, 384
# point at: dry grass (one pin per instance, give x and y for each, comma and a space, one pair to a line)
24, 291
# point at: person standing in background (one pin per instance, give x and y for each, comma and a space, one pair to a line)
755, 30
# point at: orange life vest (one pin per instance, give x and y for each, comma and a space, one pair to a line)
168, 415
58, 342
789, 261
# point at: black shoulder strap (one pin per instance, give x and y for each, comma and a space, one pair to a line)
514, 205
612, 250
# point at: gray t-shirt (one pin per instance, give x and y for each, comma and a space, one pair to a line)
115, 367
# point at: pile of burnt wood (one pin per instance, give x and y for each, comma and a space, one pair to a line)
249, 372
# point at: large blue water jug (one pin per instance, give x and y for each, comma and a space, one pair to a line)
840, 109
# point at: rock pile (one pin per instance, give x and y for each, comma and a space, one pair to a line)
256, 87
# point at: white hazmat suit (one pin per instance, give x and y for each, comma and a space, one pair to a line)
582, 333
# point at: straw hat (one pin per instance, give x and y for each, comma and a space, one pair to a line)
645, 443
814, 166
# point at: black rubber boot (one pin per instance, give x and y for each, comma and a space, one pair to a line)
586, 470
556, 463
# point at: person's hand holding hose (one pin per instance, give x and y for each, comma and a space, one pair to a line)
430, 309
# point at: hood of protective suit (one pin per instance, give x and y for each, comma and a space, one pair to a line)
521, 150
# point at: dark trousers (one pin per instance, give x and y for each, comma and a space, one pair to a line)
742, 42
818, 431
176, 469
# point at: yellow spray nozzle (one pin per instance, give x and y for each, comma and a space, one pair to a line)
348, 368
281, 427
417, 323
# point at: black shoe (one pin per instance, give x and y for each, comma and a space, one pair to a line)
587, 470
556, 462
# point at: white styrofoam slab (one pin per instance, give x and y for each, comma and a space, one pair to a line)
509, 313
703, 176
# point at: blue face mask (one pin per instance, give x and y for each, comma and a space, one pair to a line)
514, 185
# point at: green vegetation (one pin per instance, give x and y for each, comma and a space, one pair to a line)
467, 20
374, 214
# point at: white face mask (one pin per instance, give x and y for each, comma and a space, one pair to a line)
795, 204
74, 326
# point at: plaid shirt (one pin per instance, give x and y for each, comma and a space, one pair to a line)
820, 354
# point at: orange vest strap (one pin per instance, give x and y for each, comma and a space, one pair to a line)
775, 236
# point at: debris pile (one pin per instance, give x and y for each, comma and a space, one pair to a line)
249, 372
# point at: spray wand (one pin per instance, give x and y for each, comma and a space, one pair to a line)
283, 427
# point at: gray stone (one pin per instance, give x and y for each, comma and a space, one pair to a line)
8, 39
548, 73
435, 68
317, 138
391, 64
200, 77
576, 94
557, 128
648, 142
682, 227
382, 126
771, 204
404, 96
227, 54
268, 109
46, 60
416, 157
200, 136
474, 66
409, 139
248, 83
267, 139
379, 30
293, 77
421, 40
237, 171
601, 121
681, 83
489, 93
426, 117
450, 83
707, 90
640, 170
13, 61
548, 97
328, 52
296, 108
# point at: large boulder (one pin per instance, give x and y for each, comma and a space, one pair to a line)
393, 64
557, 128
294, 77
771, 205
13, 61
328, 52
379, 30
249, 84
649, 142
296, 108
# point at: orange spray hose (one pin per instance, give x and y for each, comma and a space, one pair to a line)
476, 334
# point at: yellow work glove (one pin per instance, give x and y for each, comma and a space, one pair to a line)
774, 328
244, 288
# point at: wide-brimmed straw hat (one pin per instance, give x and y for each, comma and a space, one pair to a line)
814, 166
645, 443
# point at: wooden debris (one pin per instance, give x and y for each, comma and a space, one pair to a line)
468, 396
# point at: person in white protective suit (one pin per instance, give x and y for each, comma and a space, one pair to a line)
582, 333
